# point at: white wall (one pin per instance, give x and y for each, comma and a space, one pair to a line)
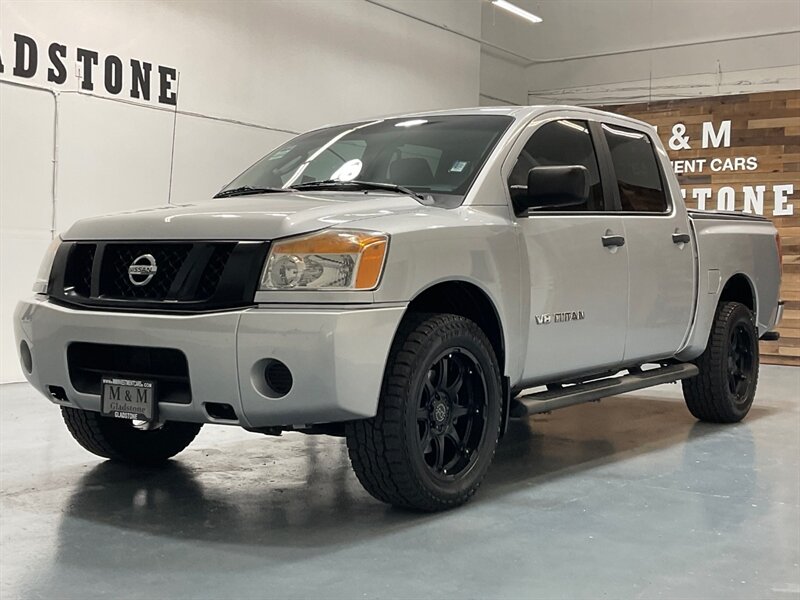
503, 81
616, 51
712, 69
250, 74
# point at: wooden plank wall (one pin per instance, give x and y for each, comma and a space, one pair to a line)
766, 126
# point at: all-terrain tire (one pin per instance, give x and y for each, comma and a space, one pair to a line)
391, 452
723, 392
119, 440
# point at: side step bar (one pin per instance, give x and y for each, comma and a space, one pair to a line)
595, 390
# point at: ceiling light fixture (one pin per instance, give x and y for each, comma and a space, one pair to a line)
520, 12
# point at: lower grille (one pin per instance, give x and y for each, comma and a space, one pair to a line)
88, 362
162, 276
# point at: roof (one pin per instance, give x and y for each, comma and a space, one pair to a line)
517, 112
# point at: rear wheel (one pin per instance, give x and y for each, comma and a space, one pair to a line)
438, 420
128, 441
723, 392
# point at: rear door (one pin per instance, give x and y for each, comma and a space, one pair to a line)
579, 297
660, 253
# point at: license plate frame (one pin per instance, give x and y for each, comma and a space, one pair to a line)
128, 398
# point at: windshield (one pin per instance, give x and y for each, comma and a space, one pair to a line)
438, 155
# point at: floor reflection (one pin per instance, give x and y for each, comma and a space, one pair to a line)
633, 487
306, 496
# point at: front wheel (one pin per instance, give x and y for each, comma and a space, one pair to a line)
723, 392
438, 421
122, 440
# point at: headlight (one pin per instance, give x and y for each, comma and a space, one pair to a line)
43, 276
328, 260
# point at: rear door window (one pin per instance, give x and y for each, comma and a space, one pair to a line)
639, 181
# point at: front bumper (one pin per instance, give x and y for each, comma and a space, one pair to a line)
336, 357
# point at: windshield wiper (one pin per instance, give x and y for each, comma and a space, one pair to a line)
246, 190
358, 185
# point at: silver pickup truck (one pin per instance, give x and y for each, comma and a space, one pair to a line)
409, 283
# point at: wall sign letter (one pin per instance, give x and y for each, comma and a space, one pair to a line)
89, 59
782, 193
140, 79
58, 72
167, 76
715, 138
726, 198
113, 74
27, 56
701, 195
754, 199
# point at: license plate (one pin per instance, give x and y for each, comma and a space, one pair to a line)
124, 398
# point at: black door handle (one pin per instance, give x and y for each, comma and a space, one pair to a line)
613, 240
680, 238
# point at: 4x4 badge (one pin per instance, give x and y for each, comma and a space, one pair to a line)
142, 270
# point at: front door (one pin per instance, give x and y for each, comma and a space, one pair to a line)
578, 264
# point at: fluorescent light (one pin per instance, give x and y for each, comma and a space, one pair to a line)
520, 12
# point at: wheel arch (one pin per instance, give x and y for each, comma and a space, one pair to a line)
467, 299
739, 288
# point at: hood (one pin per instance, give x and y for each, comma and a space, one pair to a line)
257, 217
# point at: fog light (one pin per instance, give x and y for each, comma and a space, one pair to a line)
25, 356
278, 377
271, 378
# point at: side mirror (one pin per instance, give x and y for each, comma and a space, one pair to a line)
554, 187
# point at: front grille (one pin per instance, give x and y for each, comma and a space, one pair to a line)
116, 283
185, 276
167, 367
213, 271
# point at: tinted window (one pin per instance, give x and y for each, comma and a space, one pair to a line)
436, 155
638, 175
560, 143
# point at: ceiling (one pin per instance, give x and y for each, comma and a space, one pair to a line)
589, 27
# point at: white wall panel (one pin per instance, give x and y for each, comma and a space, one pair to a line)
502, 81
26, 166
111, 157
209, 154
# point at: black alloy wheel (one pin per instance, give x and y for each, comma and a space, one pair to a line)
451, 413
740, 360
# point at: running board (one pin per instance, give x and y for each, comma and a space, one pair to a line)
595, 390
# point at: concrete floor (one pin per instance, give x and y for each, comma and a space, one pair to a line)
629, 498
